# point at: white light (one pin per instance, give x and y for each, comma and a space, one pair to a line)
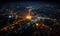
10, 16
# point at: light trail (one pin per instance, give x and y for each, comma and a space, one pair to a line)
7, 27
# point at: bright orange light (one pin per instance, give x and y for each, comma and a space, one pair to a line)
28, 17
37, 24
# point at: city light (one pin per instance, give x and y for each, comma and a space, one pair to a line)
10, 16
37, 24
28, 17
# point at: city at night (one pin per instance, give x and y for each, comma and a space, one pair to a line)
29, 18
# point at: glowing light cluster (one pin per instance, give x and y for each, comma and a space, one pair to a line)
10, 16
37, 24
28, 17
